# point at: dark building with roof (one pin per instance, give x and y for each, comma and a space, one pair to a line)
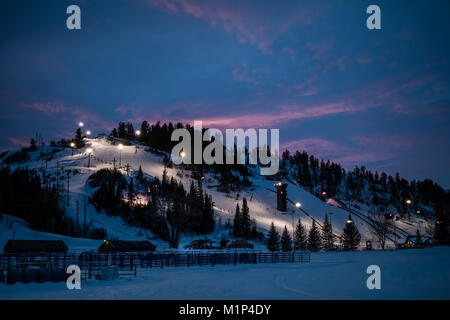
200, 244
240, 244
35, 246
125, 246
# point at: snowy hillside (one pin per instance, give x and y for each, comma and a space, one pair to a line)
261, 198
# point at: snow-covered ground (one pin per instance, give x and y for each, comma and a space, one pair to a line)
261, 197
405, 274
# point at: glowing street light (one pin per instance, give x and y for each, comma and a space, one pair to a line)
138, 132
88, 133
349, 220
120, 146
80, 124
298, 204
182, 154
408, 201
72, 146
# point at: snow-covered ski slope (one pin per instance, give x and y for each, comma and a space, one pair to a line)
261, 196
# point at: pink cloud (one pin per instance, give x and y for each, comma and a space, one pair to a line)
317, 146
68, 113
320, 49
249, 23
48, 108
364, 60
291, 52
17, 142
287, 113
244, 73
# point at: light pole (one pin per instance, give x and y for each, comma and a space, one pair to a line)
89, 151
120, 146
88, 133
298, 205
72, 145
409, 204
80, 124
349, 220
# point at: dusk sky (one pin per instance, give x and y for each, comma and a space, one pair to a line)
378, 98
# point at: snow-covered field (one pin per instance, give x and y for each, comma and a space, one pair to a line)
405, 274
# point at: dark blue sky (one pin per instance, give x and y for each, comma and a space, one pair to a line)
311, 68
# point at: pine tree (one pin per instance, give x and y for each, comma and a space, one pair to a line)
327, 234
245, 215
164, 178
314, 243
207, 220
32, 144
79, 138
140, 174
300, 237
351, 237
273, 239
418, 238
237, 222
131, 192
286, 240
441, 226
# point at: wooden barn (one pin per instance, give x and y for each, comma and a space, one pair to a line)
200, 244
240, 244
35, 246
125, 246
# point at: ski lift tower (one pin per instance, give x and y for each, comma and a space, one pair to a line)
281, 196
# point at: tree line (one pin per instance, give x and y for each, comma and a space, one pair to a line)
315, 239
169, 211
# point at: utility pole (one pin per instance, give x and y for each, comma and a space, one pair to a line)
68, 177
84, 226
114, 162
293, 232
77, 218
57, 178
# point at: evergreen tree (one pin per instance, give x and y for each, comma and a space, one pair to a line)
122, 132
207, 220
245, 221
300, 237
286, 240
114, 133
164, 178
441, 226
237, 222
273, 239
351, 237
79, 138
32, 144
314, 243
327, 234
140, 174
418, 238
131, 192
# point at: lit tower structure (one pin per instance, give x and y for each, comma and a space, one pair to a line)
281, 196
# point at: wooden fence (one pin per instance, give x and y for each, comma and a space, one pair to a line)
150, 259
